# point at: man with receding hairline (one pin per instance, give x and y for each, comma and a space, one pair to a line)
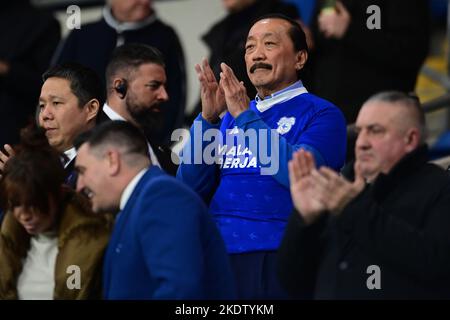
381, 230
164, 244
250, 206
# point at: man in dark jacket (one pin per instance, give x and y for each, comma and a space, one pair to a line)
367, 46
27, 41
136, 92
382, 236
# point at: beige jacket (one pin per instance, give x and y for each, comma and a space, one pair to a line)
82, 239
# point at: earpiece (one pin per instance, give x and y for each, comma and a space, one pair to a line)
121, 88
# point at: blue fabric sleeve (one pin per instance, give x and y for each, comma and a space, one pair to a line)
193, 170
325, 138
171, 242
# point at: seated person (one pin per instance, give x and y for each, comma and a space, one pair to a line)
70, 98
379, 231
51, 245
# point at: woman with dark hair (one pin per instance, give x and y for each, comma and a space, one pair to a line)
51, 244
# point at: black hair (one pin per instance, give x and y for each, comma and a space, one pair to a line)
296, 32
85, 84
32, 174
129, 57
117, 133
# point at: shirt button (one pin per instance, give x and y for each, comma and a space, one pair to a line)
343, 265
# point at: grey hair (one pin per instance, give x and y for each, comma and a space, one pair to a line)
408, 100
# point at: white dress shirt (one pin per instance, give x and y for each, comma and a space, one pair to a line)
126, 194
113, 115
70, 155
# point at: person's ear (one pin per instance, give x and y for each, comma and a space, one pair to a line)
302, 57
92, 109
120, 85
412, 139
113, 161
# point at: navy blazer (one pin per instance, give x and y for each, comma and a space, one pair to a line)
165, 245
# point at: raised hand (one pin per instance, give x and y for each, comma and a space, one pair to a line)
5, 156
335, 191
334, 23
236, 97
303, 189
213, 99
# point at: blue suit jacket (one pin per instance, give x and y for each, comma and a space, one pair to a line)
165, 245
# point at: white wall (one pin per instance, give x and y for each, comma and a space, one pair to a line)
190, 18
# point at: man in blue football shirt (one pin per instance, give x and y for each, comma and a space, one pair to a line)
247, 187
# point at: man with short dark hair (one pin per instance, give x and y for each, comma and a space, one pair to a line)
381, 234
164, 244
248, 196
70, 98
136, 90
68, 105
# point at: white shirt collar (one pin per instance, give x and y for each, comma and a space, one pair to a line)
70, 154
283, 95
126, 194
113, 115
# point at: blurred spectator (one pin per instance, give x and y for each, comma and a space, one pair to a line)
165, 244
47, 229
27, 41
226, 39
127, 22
351, 61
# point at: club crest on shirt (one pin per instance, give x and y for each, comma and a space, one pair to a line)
235, 130
285, 124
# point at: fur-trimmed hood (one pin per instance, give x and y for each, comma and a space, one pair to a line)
82, 239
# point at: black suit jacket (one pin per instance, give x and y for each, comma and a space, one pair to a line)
399, 223
163, 153
71, 174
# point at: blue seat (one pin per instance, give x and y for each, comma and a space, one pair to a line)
441, 147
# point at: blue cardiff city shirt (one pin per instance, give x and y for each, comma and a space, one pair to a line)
251, 209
